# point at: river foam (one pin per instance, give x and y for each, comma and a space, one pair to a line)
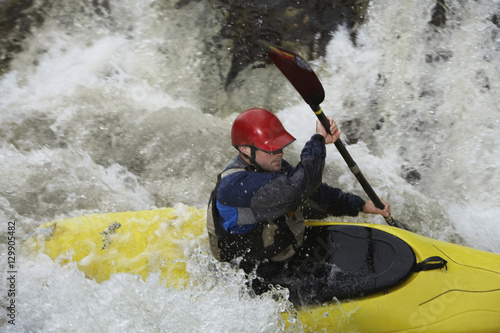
102, 114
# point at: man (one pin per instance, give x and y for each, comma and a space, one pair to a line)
257, 209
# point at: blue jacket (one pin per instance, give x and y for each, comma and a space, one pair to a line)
245, 198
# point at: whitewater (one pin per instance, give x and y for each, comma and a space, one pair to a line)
126, 112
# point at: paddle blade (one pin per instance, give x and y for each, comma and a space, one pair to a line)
298, 72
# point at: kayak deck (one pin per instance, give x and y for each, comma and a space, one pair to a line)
345, 261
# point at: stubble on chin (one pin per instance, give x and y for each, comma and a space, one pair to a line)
277, 165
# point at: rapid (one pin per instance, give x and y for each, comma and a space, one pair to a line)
125, 112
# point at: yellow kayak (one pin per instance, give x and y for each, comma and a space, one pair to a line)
464, 296
405, 282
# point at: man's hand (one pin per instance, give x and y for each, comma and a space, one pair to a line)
371, 209
329, 138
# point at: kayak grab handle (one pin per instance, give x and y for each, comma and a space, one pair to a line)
430, 263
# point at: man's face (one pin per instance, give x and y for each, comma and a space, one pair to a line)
269, 162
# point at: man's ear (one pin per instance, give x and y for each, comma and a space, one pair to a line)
245, 150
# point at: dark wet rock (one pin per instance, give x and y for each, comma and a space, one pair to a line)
483, 80
101, 7
351, 129
305, 27
228, 44
439, 11
233, 59
354, 130
439, 56
411, 175
378, 126
17, 18
495, 20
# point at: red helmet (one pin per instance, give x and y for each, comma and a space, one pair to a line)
261, 129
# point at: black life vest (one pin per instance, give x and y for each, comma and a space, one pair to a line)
268, 240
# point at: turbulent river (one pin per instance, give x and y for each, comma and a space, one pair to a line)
125, 113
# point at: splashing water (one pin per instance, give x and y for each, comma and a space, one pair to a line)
102, 114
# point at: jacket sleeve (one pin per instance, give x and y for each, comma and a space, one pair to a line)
330, 201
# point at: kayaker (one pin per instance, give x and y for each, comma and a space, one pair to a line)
257, 210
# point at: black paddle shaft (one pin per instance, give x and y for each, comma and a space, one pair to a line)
355, 169
349, 160
305, 81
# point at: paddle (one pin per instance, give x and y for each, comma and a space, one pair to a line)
305, 81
